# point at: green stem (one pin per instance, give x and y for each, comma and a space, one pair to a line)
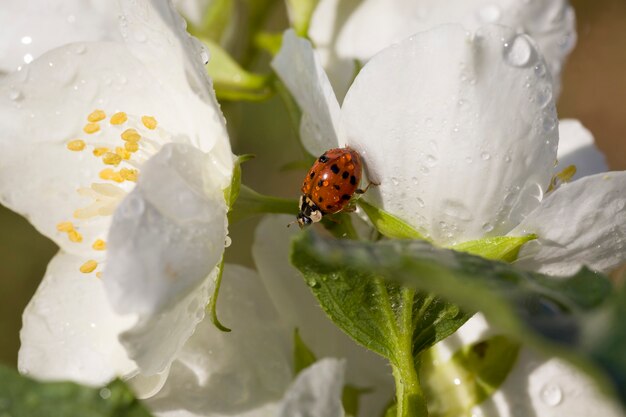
212, 307
409, 395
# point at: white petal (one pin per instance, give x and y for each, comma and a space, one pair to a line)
581, 223
300, 70
547, 387
299, 309
377, 24
32, 27
45, 105
316, 392
70, 331
459, 130
193, 10
577, 147
326, 22
166, 238
243, 372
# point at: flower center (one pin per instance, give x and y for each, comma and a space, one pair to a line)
121, 143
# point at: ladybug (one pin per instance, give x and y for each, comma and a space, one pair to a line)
330, 184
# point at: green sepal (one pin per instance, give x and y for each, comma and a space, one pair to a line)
499, 248
300, 13
250, 203
23, 396
230, 80
303, 357
471, 376
232, 192
387, 224
270, 42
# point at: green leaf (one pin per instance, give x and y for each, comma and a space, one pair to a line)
387, 224
500, 248
469, 377
22, 396
560, 315
350, 398
303, 357
300, 12
230, 80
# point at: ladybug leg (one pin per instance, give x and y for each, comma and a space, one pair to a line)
351, 208
359, 191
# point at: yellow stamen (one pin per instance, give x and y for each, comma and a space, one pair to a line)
119, 118
99, 245
96, 116
65, 227
123, 153
75, 236
100, 151
562, 177
129, 174
131, 146
88, 266
76, 145
131, 135
149, 122
111, 175
91, 128
111, 158
98, 274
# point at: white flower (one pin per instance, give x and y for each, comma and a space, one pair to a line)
349, 30
248, 371
80, 125
460, 131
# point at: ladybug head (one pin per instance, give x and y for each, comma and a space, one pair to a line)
309, 213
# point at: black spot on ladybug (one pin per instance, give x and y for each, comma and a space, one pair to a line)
329, 206
323, 159
320, 183
311, 175
345, 175
480, 349
334, 168
345, 197
336, 187
320, 199
353, 180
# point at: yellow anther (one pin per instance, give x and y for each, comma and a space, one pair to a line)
129, 174
100, 151
91, 128
75, 236
111, 158
96, 116
98, 274
76, 145
131, 146
149, 122
65, 227
111, 175
99, 245
567, 174
123, 153
131, 135
119, 118
88, 266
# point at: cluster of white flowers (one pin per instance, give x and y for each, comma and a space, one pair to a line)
113, 145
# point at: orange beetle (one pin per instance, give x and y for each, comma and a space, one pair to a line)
330, 184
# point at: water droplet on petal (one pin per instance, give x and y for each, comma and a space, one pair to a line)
227, 241
134, 206
420, 202
551, 394
485, 156
15, 95
395, 181
80, 49
487, 227
431, 160
544, 97
518, 52
105, 393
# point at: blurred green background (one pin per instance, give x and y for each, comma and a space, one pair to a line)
594, 91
